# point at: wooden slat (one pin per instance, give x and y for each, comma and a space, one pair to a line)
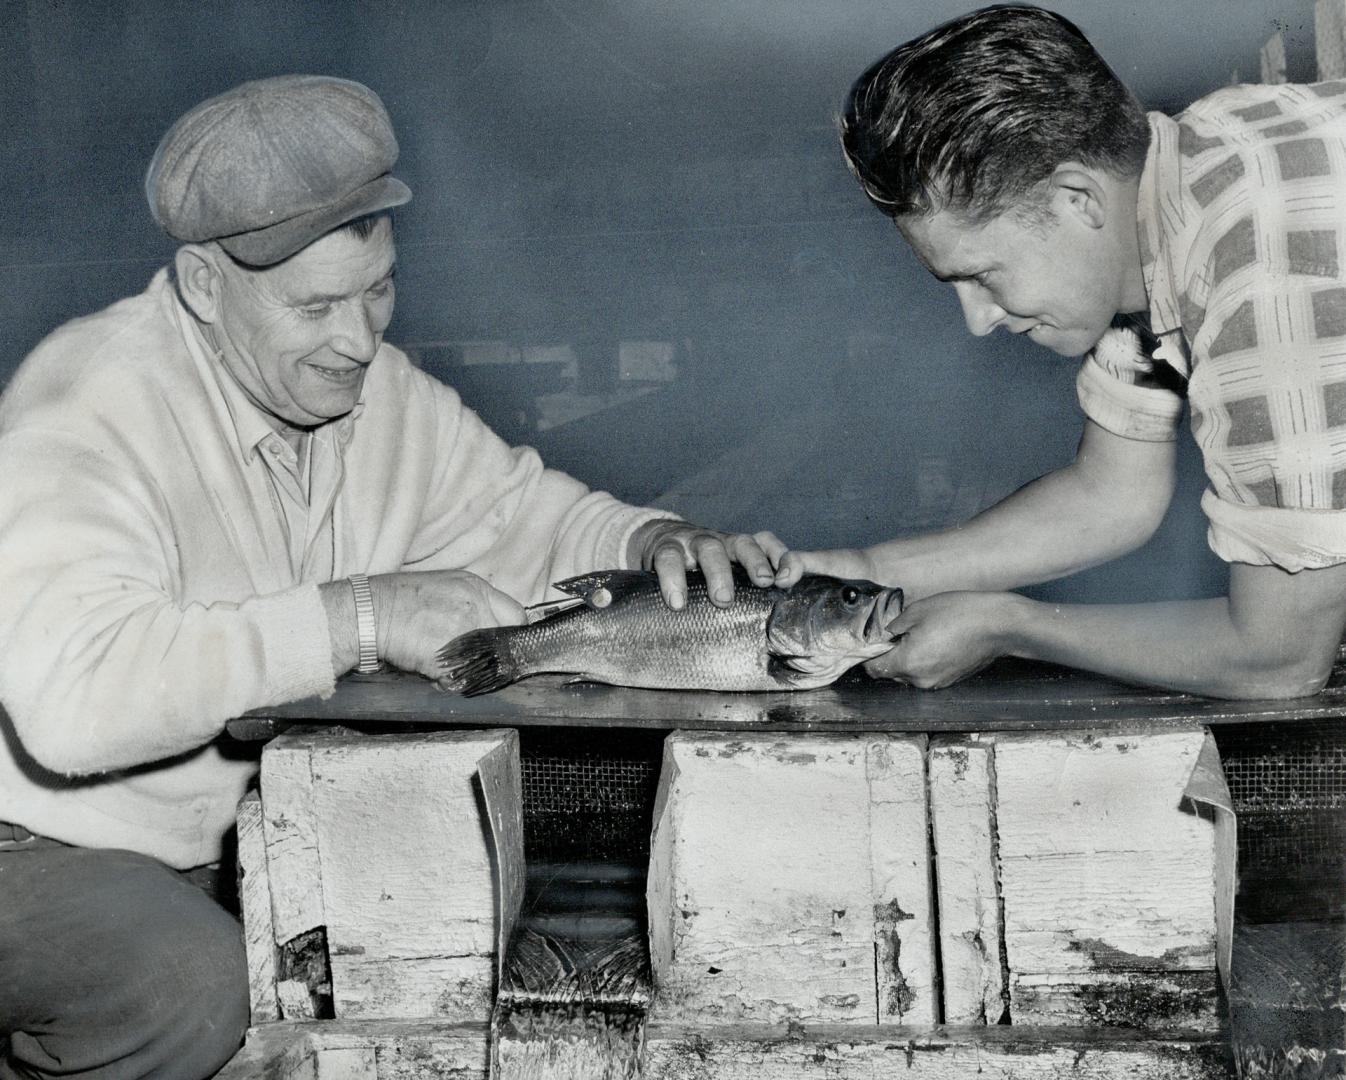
1008, 696
500, 779
1108, 880
381, 839
289, 830
789, 880
763, 1052
254, 895
407, 874
962, 811
826, 1052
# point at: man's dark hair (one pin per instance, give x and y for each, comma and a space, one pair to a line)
973, 115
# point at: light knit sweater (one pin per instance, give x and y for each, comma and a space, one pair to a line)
146, 590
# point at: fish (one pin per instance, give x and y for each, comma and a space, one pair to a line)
619, 631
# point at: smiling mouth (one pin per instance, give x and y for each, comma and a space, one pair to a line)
338, 375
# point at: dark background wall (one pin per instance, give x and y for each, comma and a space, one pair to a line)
633, 243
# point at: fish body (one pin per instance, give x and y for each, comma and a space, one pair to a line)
621, 632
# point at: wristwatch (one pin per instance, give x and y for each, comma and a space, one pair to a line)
364, 626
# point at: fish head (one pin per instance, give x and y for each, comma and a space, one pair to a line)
824, 626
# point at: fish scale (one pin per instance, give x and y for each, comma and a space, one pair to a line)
620, 631
702, 645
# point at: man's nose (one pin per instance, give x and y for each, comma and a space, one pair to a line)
980, 312
355, 337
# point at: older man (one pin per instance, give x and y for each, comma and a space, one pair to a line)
221, 494
1022, 172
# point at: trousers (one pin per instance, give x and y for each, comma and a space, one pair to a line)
112, 967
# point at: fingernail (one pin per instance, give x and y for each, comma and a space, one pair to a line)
676, 599
723, 596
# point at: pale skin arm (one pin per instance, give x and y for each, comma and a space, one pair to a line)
1275, 636
1107, 502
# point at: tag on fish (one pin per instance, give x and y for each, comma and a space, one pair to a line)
615, 628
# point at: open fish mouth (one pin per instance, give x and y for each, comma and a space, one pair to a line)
887, 607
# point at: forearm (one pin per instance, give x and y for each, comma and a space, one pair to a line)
1041, 532
1107, 502
1201, 646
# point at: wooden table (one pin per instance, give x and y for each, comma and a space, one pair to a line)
1007, 696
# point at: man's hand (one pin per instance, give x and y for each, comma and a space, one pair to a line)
671, 548
945, 638
415, 615
849, 563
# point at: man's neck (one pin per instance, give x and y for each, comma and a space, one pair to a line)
1134, 295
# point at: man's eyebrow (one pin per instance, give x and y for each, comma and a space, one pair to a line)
309, 299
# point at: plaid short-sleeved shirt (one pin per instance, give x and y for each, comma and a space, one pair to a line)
1242, 225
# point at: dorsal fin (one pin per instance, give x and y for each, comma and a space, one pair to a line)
618, 583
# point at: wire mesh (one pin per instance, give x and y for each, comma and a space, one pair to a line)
588, 796
1287, 783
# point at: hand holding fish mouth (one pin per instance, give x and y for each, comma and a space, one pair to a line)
947, 637
671, 548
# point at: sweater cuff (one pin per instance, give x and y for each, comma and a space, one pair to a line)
296, 643
619, 534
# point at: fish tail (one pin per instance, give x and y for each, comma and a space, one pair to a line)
477, 663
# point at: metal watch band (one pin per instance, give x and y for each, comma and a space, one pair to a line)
364, 625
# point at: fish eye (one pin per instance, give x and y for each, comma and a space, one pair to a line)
850, 594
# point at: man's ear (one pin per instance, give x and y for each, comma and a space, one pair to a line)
199, 280
1082, 192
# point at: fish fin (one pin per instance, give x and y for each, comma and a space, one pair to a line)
783, 669
475, 663
618, 583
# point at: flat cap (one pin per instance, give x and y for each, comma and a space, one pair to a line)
268, 167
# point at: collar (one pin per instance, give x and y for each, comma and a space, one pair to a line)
252, 428
1157, 219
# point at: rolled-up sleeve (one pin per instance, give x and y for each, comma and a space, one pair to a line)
1116, 391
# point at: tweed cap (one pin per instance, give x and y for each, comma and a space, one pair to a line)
268, 167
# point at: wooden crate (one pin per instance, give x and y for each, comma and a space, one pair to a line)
829, 906
1083, 879
378, 852
789, 880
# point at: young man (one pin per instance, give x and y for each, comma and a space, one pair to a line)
221, 494
1021, 171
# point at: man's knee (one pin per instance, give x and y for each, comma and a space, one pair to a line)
145, 975
194, 986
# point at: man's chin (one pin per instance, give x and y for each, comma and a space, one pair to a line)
1071, 345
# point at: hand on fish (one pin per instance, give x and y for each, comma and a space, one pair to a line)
413, 610
620, 630
671, 548
940, 638
947, 637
